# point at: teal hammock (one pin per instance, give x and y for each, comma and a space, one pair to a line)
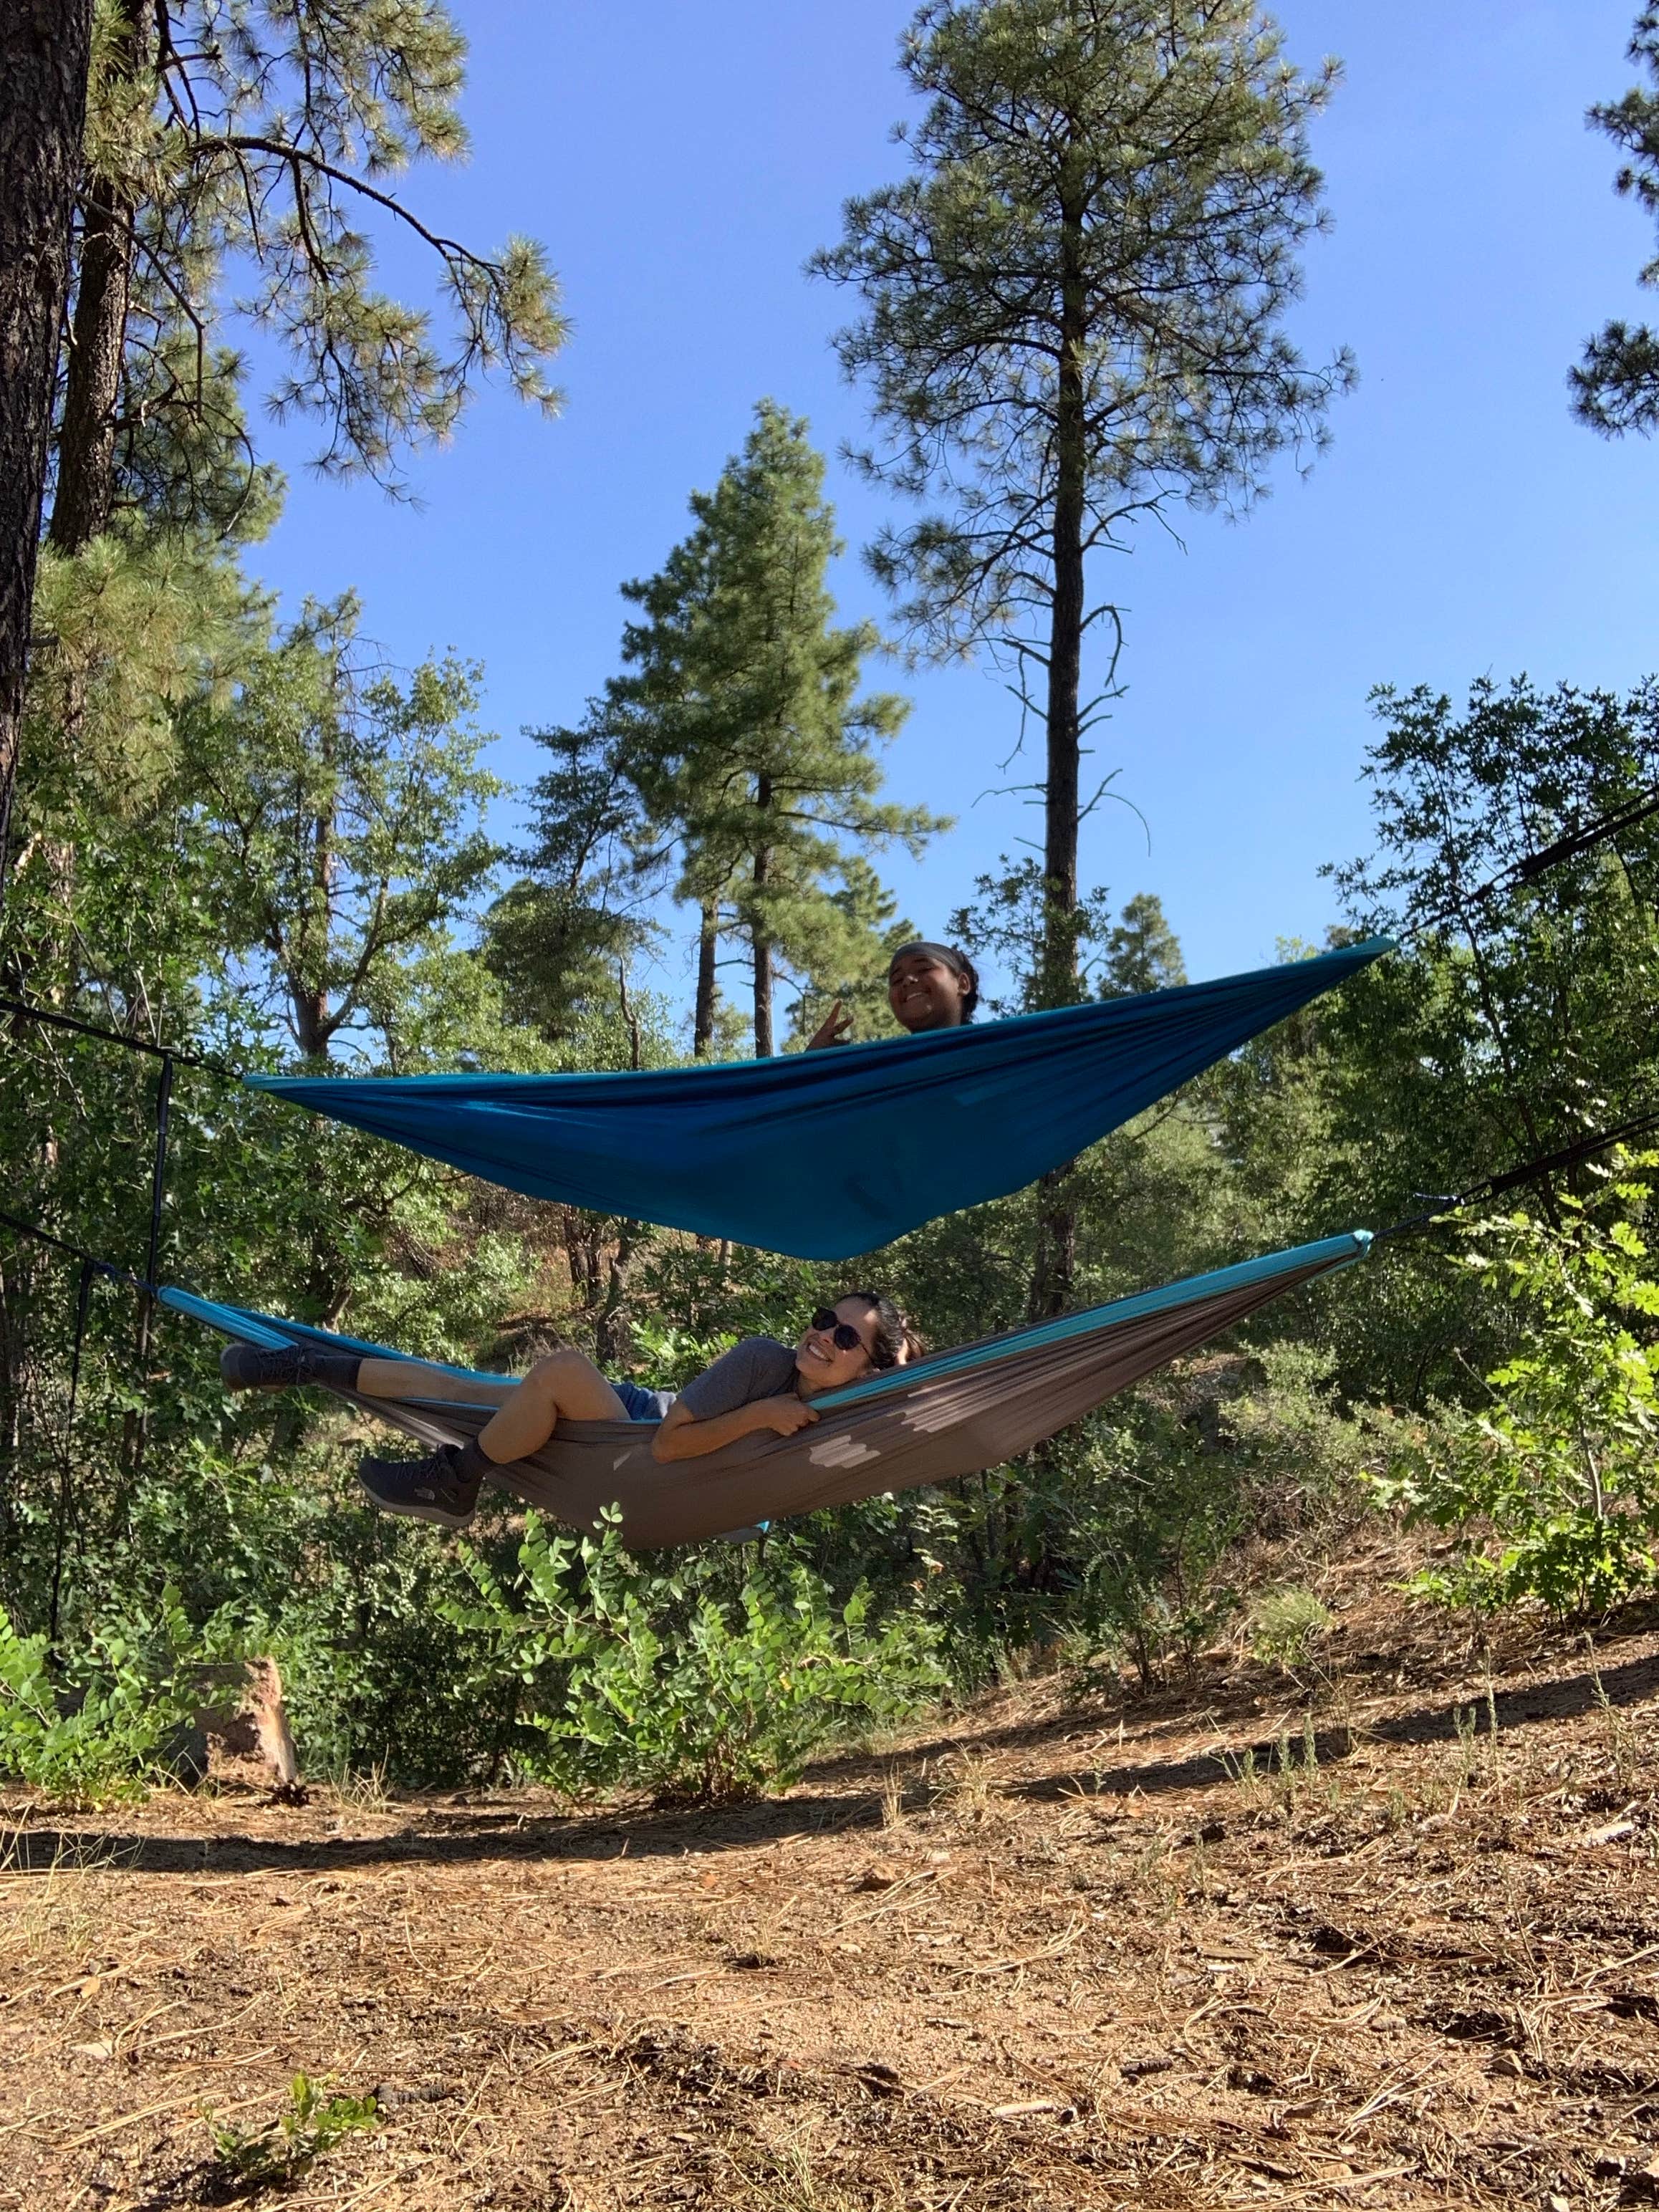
952, 1414
826, 1154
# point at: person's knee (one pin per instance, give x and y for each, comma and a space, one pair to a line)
558, 1369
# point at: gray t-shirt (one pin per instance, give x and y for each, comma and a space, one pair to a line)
759, 1367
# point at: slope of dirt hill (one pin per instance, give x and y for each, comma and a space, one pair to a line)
1078, 1956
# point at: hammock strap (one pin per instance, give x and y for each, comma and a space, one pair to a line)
89, 1271
1532, 866
1533, 1171
22, 1011
139, 1424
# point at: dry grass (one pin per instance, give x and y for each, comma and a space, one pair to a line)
1396, 1946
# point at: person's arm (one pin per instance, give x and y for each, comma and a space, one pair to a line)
683, 1436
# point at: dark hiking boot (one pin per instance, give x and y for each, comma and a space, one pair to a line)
291, 1367
442, 1487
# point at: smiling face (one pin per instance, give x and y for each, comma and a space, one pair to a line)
927, 992
823, 1364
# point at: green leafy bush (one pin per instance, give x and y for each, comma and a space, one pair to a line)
101, 1722
710, 1680
1552, 1486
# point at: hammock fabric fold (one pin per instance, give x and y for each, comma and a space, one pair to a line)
826, 1154
952, 1414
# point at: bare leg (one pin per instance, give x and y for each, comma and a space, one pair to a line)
443, 1487
415, 1378
563, 1383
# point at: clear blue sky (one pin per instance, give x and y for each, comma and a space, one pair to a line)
681, 162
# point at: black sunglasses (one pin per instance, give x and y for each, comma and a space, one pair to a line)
841, 1333
845, 1337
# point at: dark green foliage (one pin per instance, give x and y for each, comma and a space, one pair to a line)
239, 164
1513, 1022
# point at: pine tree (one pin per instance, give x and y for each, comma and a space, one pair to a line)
1615, 386
1143, 953
558, 938
256, 145
746, 732
1073, 308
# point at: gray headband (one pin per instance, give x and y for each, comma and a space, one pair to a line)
954, 960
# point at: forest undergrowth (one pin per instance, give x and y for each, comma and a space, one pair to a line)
1375, 1929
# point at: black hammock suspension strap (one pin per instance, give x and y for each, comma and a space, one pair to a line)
139, 1427
49, 1016
1536, 1169
89, 1272
1531, 866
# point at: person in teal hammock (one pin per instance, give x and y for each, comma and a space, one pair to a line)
929, 986
760, 1384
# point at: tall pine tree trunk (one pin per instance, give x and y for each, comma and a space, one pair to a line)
702, 1031
1058, 982
91, 393
314, 1015
86, 442
763, 943
45, 53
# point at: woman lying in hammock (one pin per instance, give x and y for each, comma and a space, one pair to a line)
759, 1385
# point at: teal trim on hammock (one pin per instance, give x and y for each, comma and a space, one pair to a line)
263, 1329
1329, 1252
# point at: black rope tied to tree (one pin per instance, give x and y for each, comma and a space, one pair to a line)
1531, 866
1533, 1171
52, 1019
90, 1269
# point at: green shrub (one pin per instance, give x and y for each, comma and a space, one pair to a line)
705, 1681
101, 1723
1551, 1488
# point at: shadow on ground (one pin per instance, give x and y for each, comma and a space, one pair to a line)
439, 1836
1572, 1694
451, 1839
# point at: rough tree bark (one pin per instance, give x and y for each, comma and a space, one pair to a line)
1058, 982
763, 1044
702, 1035
44, 50
98, 332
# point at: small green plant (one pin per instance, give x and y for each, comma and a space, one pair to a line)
311, 2124
713, 1680
1287, 1624
1552, 1488
1246, 1777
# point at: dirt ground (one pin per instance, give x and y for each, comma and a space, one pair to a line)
1105, 1952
